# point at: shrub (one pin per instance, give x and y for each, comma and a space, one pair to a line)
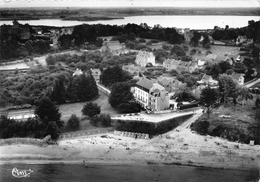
103, 120
201, 127
142, 40
193, 51
73, 122
166, 47
91, 109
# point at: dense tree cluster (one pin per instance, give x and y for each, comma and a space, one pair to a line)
78, 88
227, 88
91, 59
233, 133
10, 47
83, 34
250, 31
113, 75
209, 99
101, 120
46, 123
122, 99
57, 83
30, 128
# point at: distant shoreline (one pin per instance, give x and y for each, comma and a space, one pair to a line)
119, 16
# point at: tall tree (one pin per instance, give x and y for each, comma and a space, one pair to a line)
205, 41
114, 75
47, 111
209, 98
120, 94
228, 87
71, 91
59, 92
244, 94
194, 41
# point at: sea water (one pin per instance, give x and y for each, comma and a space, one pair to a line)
121, 173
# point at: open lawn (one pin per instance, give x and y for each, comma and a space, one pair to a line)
234, 123
75, 108
239, 114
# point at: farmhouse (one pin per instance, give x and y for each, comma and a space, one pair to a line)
151, 95
115, 47
180, 66
170, 84
133, 69
208, 80
143, 58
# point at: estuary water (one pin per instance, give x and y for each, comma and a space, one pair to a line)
188, 21
123, 173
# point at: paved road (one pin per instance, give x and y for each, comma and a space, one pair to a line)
187, 123
104, 89
252, 83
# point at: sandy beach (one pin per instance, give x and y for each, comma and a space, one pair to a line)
176, 147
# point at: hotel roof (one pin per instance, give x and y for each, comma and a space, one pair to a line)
148, 84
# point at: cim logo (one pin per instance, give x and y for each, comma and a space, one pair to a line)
21, 173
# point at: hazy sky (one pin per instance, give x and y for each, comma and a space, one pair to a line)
129, 3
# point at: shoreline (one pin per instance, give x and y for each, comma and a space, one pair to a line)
121, 16
111, 162
182, 148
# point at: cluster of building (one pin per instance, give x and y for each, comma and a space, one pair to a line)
25, 32
96, 73
114, 47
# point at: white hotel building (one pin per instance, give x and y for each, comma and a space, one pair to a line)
151, 95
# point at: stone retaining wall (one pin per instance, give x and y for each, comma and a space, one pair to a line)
84, 133
132, 135
26, 141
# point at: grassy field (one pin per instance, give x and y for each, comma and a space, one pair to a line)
234, 123
75, 108
237, 113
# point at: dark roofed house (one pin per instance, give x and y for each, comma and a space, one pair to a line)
114, 47
208, 80
145, 83
170, 84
